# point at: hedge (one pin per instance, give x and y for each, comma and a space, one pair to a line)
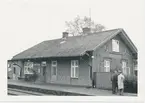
130, 84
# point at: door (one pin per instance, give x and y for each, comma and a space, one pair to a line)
44, 73
53, 71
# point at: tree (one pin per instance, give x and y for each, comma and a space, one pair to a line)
75, 27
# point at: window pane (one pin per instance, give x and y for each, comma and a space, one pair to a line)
108, 69
54, 63
73, 71
124, 67
76, 63
72, 63
115, 45
38, 70
76, 71
106, 66
107, 63
124, 70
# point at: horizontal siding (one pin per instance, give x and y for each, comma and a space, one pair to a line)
98, 62
63, 72
103, 80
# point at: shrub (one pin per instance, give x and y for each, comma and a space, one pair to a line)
130, 84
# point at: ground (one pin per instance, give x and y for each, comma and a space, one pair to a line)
65, 88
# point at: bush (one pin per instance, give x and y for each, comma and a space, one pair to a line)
130, 84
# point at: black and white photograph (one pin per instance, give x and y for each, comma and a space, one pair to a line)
79, 48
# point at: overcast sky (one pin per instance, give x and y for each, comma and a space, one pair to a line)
25, 23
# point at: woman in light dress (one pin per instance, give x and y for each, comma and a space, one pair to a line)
121, 82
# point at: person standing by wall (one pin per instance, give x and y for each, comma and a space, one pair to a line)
121, 82
114, 82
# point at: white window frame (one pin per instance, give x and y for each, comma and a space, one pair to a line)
129, 70
26, 66
124, 67
74, 67
107, 65
54, 65
115, 45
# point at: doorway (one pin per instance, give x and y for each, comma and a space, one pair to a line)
53, 71
44, 73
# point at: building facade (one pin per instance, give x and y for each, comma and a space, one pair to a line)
89, 62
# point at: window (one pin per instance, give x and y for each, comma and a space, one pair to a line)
54, 67
74, 68
37, 67
124, 67
115, 45
129, 71
106, 66
28, 67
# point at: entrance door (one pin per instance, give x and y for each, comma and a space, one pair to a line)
53, 71
44, 73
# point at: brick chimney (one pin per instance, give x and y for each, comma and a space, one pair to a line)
65, 35
86, 30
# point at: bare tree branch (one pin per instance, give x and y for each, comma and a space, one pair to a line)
75, 27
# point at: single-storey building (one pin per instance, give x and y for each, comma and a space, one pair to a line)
86, 60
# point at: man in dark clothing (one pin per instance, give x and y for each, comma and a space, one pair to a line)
114, 82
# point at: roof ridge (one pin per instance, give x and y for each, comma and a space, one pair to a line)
84, 35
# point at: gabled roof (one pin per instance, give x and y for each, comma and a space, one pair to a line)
73, 46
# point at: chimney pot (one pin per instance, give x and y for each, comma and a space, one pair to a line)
86, 30
64, 34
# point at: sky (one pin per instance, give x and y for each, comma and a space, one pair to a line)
25, 23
